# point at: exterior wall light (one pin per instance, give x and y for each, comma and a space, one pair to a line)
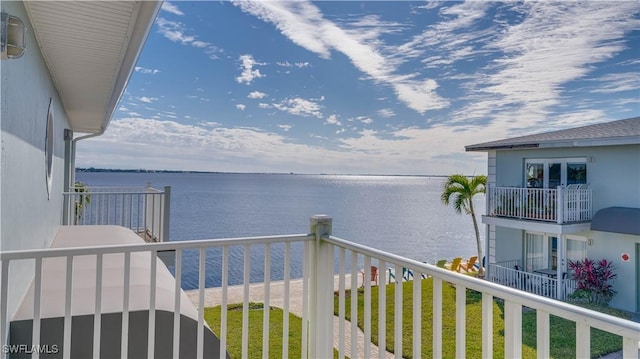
12, 37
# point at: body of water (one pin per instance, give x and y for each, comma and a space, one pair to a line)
398, 214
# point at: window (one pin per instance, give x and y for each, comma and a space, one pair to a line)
554, 172
536, 252
576, 173
48, 148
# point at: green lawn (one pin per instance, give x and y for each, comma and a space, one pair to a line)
562, 331
234, 330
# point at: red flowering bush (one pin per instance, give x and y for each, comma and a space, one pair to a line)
593, 280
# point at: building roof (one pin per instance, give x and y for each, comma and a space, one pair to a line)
91, 48
621, 132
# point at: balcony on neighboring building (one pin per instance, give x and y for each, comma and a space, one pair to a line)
563, 205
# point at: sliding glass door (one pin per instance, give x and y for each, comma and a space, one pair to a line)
551, 173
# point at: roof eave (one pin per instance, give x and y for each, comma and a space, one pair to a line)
144, 22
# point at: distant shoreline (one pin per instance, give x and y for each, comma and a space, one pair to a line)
117, 170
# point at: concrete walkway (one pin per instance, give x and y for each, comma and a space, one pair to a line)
213, 297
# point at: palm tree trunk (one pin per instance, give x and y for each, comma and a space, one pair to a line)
478, 243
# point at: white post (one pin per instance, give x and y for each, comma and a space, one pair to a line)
321, 291
166, 212
560, 205
561, 265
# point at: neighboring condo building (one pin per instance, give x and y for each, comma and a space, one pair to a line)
564, 196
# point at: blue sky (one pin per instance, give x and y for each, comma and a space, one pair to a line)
366, 87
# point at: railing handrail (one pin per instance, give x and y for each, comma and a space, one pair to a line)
147, 247
598, 320
141, 191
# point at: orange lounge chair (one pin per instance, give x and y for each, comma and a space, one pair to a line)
469, 266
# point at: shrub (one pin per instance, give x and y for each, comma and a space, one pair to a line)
593, 280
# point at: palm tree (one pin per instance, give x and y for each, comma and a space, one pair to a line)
462, 189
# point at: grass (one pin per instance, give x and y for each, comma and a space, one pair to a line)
234, 330
562, 338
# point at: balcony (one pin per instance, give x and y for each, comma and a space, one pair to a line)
563, 205
323, 259
144, 210
508, 274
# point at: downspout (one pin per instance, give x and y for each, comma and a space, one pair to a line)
73, 151
70, 170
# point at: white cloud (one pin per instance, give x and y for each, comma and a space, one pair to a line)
241, 107
248, 73
264, 105
364, 119
169, 7
556, 43
299, 106
146, 99
143, 70
612, 83
174, 31
257, 95
142, 143
285, 128
200, 44
304, 24
333, 120
177, 32
386, 112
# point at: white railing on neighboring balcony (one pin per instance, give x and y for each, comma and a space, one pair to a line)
321, 254
561, 205
506, 273
144, 210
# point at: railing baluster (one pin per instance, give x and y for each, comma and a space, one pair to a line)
437, 317
354, 305
583, 340
367, 306
245, 303
201, 304
630, 347
487, 326
67, 309
397, 313
285, 318
461, 321
512, 329
225, 298
177, 305
542, 334
4, 320
267, 300
37, 296
417, 315
341, 303
124, 337
382, 310
151, 340
97, 317
305, 300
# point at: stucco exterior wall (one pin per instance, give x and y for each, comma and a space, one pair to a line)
508, 244
29, 217
611, 246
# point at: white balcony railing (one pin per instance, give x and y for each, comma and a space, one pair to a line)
322, 252
505, 273
145, 210
561, 205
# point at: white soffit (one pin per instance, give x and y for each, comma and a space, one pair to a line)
90, 48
